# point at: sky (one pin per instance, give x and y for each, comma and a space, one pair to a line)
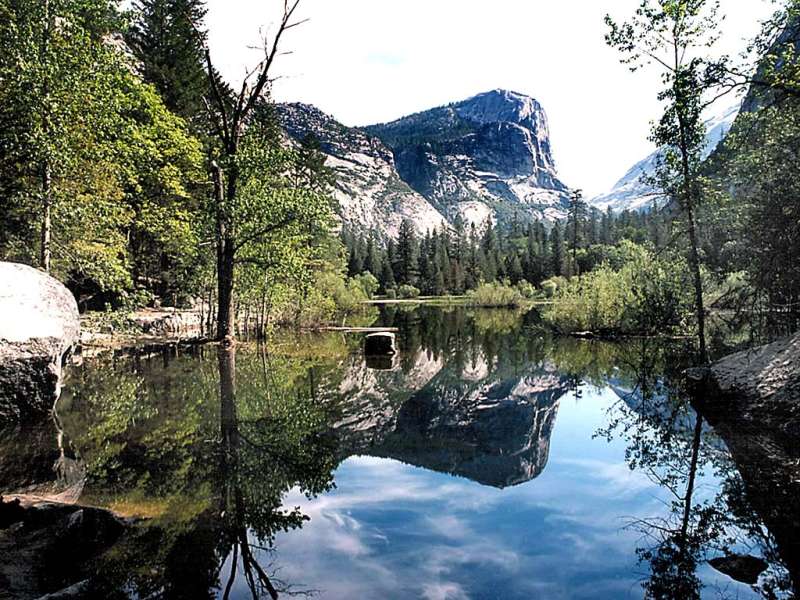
368, 61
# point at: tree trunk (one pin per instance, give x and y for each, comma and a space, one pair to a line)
694, 263
225, 261
225, 315
46, 173
691, 194
47, 203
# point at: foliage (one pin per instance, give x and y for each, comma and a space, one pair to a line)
407, 292
647, 295
766, 191
452, 261
91, 154
495, 294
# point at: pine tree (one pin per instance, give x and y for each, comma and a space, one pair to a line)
387, 275
406, 267
372, 261
577, 209
167, 37
557, 249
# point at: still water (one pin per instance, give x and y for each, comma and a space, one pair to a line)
487, 460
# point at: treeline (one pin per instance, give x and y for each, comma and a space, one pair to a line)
458, 259
131, 171
725, 268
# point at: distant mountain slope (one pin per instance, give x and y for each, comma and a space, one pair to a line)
371, 195
633, 193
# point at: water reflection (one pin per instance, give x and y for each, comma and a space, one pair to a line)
225, 460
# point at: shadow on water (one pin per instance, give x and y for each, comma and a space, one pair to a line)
199, 449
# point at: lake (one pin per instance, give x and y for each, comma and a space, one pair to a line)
488, 459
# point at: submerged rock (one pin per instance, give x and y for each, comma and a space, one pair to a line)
742, 568
39, 326
47, 550
380, 344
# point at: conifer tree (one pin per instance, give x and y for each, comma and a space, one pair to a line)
167, 38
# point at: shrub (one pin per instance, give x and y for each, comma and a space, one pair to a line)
495, 294
391, 294
368, 283
408, 292
526, 289
647, 295
551, 286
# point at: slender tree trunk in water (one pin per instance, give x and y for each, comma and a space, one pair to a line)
691, 195
225, 261
687, 501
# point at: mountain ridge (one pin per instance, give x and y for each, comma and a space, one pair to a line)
487, 157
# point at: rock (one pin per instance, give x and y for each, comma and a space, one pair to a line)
53, 548
380, 344
752, 400
769, 373
39, 326
742, 568
10, 512
170, 324
78, 590
369, 192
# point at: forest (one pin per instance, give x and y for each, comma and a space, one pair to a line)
134, 173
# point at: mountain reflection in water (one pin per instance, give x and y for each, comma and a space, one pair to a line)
297, 469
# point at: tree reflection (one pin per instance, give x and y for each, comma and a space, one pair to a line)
669, 440
265, 451
202, 454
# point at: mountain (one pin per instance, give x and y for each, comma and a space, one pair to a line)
487, 157
633, 193
371, 195
490, 422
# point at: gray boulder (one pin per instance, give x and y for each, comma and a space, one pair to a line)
39, 326
764, 379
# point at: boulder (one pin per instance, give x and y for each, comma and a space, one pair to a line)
768, 373
39, 326
741, 568
380, 344
752, 400
181, 324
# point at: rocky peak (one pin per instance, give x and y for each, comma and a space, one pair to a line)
488, 156
503, 106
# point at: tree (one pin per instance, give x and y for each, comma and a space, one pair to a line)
557, 249
114, 210
406, 266
577, 211
230, 115
675, 35
767, 193
164, 37
49, 50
